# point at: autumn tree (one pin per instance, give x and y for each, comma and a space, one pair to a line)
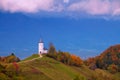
64, 57
76, 61
52, 51
113, 68
12, 58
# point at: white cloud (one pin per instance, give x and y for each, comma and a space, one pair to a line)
100, 8
116, 7
116, 12
96, 7
29, 6
93, 7
66, 1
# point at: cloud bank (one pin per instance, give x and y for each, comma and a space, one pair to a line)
109, 8
26, 6
97, 7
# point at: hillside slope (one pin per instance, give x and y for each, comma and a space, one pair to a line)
35, 68
109, 58
46, 69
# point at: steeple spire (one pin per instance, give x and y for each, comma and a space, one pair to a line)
41, 41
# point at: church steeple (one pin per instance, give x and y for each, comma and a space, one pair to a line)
41, 41
41, 48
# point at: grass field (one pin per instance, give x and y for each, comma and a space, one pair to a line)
34, 68
45, 68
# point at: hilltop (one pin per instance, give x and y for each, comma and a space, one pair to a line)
110, 58
112, 50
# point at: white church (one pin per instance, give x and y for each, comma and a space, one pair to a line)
41, 48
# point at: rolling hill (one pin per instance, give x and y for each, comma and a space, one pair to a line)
110, 57
106, 66
35, 68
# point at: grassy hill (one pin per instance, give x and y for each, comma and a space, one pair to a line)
62, 66
45, 68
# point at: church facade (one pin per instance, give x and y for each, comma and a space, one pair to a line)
41, 48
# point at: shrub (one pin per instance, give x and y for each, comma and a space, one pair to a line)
3, 77
113, 68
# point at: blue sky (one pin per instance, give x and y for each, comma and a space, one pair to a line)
85, 31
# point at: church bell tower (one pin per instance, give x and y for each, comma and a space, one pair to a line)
41, 47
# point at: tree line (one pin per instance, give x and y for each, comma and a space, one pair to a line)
64, 57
